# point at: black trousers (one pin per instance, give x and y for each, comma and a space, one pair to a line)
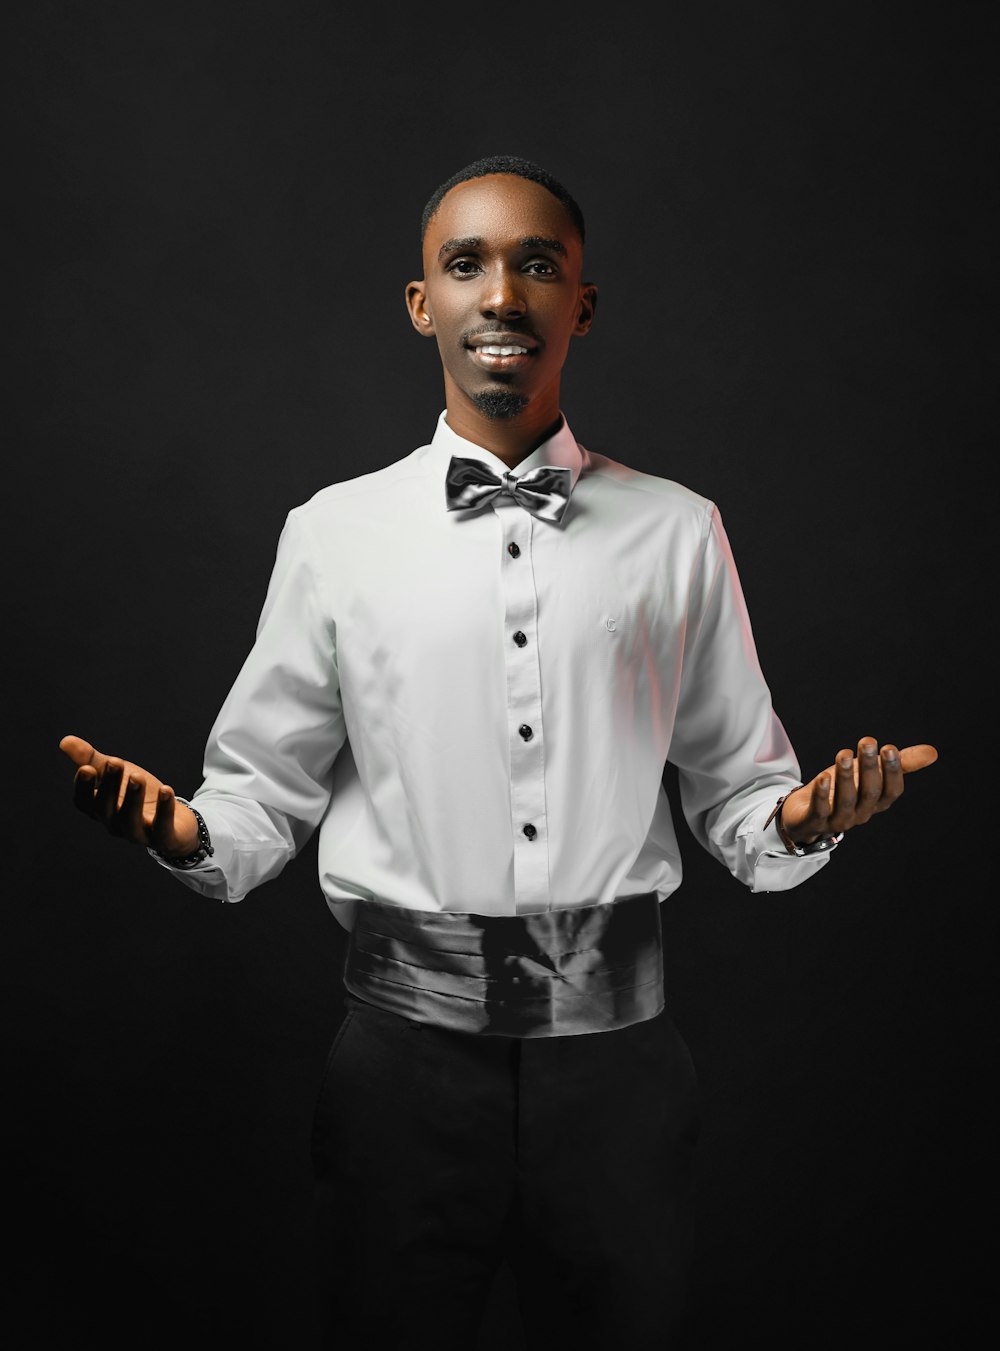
440, 1153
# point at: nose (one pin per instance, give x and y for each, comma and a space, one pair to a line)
501, 297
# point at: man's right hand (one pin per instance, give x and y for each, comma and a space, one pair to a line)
129, 801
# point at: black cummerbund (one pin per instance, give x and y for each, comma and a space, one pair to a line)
556, 974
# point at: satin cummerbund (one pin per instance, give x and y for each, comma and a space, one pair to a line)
561, 973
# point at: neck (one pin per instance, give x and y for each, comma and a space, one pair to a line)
509, 439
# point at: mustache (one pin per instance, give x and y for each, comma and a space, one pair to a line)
513, 330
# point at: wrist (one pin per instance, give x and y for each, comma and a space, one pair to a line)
791, 836
795, 842
194, 851
186, 831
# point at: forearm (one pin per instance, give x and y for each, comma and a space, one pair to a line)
250, 842
762, 858
269, 756
733, 827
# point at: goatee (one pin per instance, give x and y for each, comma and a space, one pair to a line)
500, 403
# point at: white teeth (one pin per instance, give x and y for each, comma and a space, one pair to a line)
503, 351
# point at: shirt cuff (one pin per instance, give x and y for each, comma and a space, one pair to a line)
772, 866
209, 876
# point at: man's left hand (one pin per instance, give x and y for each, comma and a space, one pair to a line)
851, 791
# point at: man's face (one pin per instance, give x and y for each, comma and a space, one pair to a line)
502, 293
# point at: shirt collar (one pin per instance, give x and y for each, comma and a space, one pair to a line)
561, 450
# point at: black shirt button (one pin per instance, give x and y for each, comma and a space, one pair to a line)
513, 550
519, 638
530, 831
526, 731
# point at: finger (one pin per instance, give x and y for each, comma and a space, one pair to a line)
162, 831
81, 752
892, 778
822, 802
108, 793
84, 783
151, 797
917, 757
869, 778
132, 824
845, 793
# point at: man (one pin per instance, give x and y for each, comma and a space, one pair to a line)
469, 671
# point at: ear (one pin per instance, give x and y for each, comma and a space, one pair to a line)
416, 303
588, 304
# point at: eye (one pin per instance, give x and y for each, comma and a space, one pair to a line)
541, 267
463, 267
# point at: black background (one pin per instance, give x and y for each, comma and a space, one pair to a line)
214, 211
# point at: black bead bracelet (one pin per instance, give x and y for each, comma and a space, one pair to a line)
205, 849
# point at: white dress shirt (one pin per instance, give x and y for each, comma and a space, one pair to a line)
475, 707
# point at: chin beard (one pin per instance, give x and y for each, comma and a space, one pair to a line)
500, 403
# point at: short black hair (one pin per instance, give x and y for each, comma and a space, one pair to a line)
504, 164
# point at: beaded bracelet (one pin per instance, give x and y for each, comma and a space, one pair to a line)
205, 849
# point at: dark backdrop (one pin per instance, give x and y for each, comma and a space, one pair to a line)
214, 212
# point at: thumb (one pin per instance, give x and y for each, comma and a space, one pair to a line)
916, 757
80, 752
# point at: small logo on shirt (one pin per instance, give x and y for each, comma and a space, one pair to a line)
610, 623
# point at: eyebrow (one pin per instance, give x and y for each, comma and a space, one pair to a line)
539, 242
475, 242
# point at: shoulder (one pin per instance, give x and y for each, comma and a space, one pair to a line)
646, 492
351, 495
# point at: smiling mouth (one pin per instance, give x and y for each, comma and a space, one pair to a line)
499, 357
495, 350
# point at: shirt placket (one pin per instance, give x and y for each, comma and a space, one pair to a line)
525, 731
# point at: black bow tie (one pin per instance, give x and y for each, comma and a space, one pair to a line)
544, 491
